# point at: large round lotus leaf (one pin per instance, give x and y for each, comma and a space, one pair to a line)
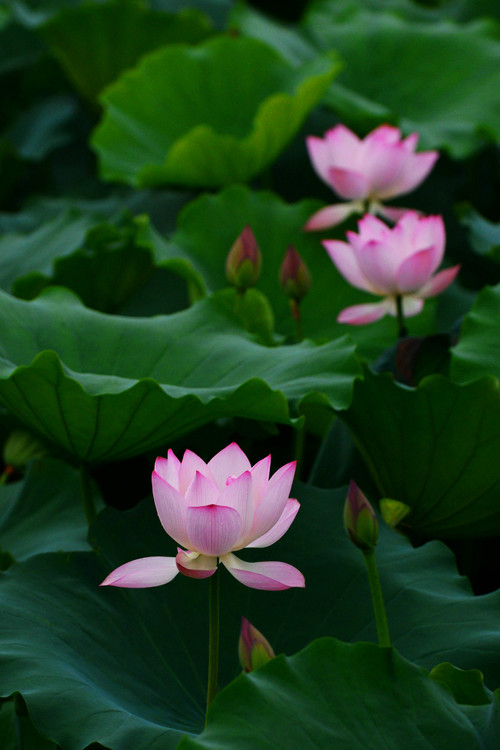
104, 387
205, 116
436, 79
127, 668
124, 26
334, 694
43, 512
215, 221
478, 350
434, 448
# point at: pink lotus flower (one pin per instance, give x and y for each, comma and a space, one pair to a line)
213, 510
364, 172
398, 262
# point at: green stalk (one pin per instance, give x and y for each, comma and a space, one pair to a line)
87, 496
402, 329
213, 640
297, 320
377, 598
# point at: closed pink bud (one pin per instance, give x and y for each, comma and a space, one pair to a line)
254, 649
295, 278
244, 261
360, 520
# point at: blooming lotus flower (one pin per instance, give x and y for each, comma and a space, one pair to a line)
212, 510
366, 171
394, 263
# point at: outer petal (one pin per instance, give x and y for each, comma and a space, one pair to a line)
417, 169
194, 565
411, 306
143, 573
269, 576
273, 502
347, 264
429, 231
358, 315
319, 154
348, 183
280, 527
344, 145
260, 478
332, 215
213, 530
439, 283
389, 135
168, 469
229, 462
415, 271
379, 262
171, 509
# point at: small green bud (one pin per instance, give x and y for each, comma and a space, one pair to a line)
360, 520
295, 278
254, 649
244, 261
393, 511
20, 447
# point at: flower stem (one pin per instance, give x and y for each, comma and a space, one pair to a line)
377, 598
87, 496
402, 329
213, 640
297, 320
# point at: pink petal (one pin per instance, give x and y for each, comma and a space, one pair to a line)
319, 154
358, 315
238, 495
415, 271
389, 135
201, 491
143, 573
260, 478
332, 215
378, 262
171, 509
348, 183
280, 527
273, 501
346, 263
418, 167
344, 145
228, 462
371, 228
191, 463
440, 282
430, 232
193, 565
268, 576
410, 142
168, 469
213, 529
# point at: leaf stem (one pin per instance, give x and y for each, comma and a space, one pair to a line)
377, 598
213, 640
87, 495
402, 329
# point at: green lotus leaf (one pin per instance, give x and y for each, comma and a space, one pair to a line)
433, 448
43, 512
356, 696
478, 350
453, 110
182, 117
126, 27
135, 673
484, 235
105, 387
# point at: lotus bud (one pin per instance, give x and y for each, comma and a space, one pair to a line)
20, 447
244, 261
393, 511
295, 278
254, 649
360, 520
